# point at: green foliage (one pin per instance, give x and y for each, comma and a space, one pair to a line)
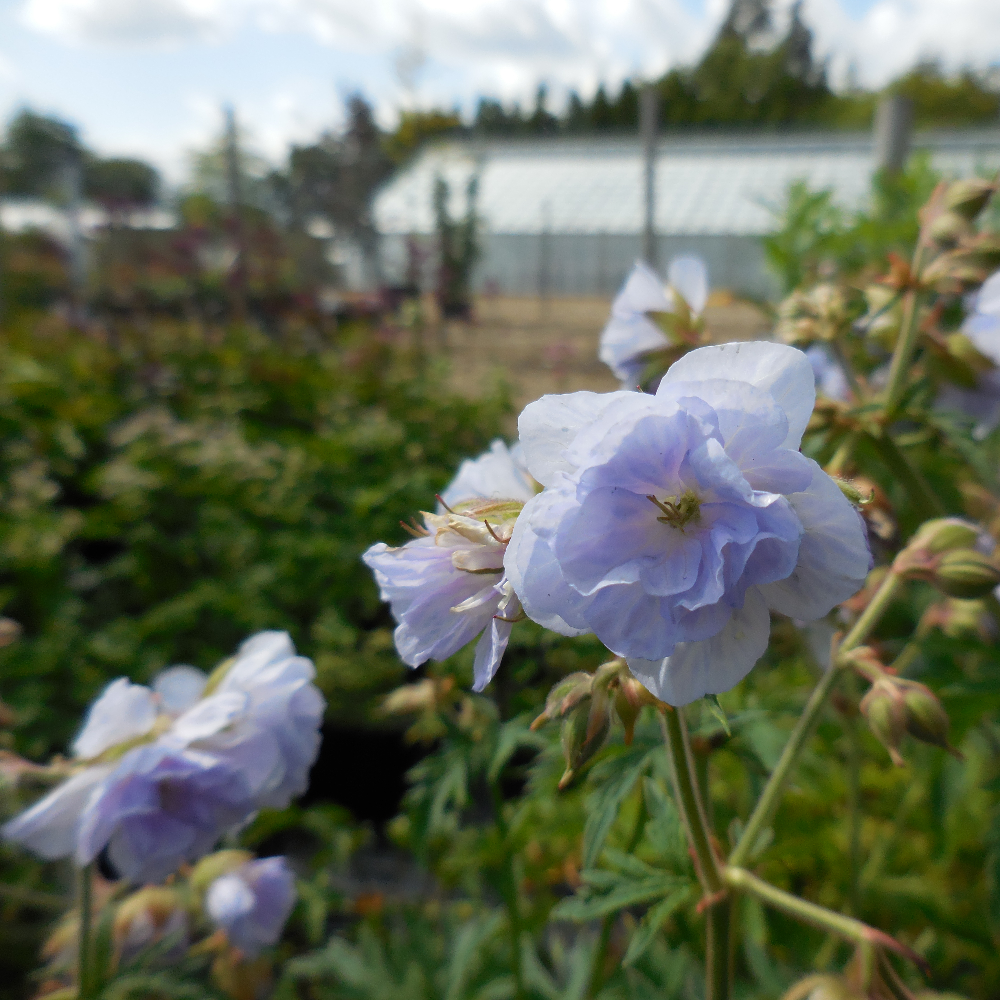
817, 239
168, 494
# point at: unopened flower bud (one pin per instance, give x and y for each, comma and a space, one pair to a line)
147, 917
926, 719
968, 197
564, 697
630, 699
857, 496
894, 706
943, 552
944, 533
583, 733
966, 573
948, 228
884, 708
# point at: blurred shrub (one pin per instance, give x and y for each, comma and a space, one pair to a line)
167, 494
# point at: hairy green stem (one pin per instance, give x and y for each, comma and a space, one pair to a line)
85, 986
848, 928
902, 354
768, 802
689, 805
718, 945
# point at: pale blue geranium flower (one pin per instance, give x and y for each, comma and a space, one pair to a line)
982, 327
252, 903
159, 808
630, 334
670, 525
203, 763
447, 585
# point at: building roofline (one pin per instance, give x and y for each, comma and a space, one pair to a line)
712, 142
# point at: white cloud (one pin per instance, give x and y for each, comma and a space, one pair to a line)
892, 35
505, 47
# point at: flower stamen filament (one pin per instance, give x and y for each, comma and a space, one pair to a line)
678, 511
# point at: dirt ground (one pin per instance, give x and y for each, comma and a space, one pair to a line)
539, 346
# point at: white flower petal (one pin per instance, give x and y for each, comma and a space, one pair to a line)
642, 292
178, 688
49, 827
208, 717
783, 371
689, 276
834, 557
229, 898
495, 474
711, 666
988, 299
547, 426
123, 712
624, 339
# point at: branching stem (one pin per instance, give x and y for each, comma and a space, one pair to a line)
767, 804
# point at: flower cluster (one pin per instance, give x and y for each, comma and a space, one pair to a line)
670, 525
163, 772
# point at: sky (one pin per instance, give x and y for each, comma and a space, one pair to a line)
148, 78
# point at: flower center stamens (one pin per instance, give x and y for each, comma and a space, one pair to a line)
678, 511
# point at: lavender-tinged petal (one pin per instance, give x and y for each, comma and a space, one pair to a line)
49, 827
208, 717
611, 536
834, 558
778, 471
988, 299
625, 339
533, 571
123, 712
782, 371
750, 421
639, 444
642, 292
253, 903
695, 669
631, 622
547, 426
228, 899
689, 277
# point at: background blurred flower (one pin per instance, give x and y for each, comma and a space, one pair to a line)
262, 719
982, 328
671, 524
630, 333
160, 807
252, 903
248, 744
